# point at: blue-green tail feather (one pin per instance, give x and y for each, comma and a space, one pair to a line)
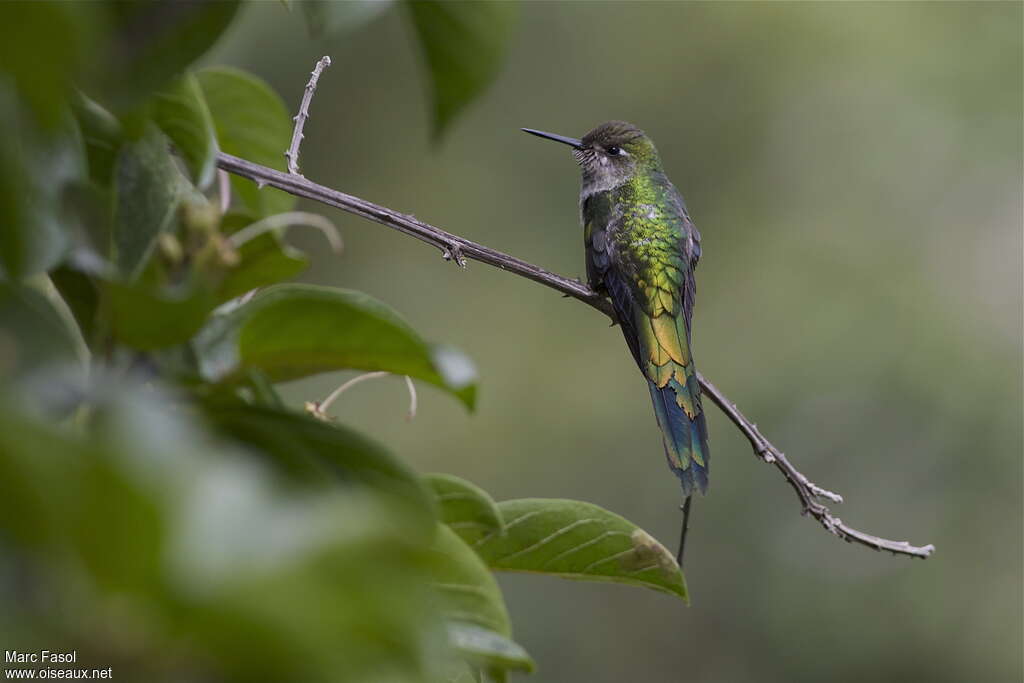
685, 439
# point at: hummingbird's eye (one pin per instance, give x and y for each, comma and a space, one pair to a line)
613, 151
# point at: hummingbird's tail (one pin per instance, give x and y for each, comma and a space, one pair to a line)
685, 438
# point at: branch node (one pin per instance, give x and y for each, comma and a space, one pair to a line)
453, 252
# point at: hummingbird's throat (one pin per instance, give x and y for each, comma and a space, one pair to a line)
599, 173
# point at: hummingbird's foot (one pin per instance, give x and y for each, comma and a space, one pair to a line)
685, 507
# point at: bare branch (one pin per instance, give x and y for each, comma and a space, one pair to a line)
292, 155
452, 247
460, 249
807, 491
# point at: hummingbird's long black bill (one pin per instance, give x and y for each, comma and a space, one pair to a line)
572, 142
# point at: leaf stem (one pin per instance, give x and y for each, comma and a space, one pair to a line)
285, 220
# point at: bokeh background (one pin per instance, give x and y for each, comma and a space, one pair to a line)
856, 172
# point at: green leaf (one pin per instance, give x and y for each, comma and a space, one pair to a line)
464, 44
42, 46
468, 591
251, 122
153, 43
181, 112
144, 520
484, 647
313, 451
37, 167
61, 492
577, 540
146, 317
263, 260
263, 391
33, 334
147, 193
327, 18
346, 599
80, 293
465, 507
291, 331
102, 134
472, 605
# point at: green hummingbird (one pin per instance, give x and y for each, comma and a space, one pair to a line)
641, 250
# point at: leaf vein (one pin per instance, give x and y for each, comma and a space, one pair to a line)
547, 539
614, 556
596, 539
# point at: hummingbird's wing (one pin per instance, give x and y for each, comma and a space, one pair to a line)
647, 272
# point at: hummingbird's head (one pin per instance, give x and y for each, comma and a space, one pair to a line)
610, 154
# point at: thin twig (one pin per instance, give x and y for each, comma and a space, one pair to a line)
807, 491
452, 247
292, 155
459, 249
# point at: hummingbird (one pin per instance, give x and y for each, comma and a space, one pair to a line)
641, 252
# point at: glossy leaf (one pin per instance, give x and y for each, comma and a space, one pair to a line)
465, 507
180, 111
345, 599
37, 166
472, 604
102, 134
33, 333
314, 451
42, 47
106, 522
263, 260
81, 294
578, 540
464, 44
292, 331
147, 193
251, 122
485, 648
327, 18
153, 43
144, 317
145, 521
467, 589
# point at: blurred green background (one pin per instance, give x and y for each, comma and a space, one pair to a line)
855, 169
